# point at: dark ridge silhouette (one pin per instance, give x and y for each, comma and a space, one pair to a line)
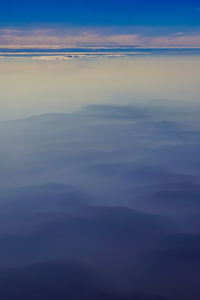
101, 204
59, 281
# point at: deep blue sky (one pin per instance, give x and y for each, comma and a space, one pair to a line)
104, 12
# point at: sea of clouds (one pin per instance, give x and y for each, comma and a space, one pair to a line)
102, 203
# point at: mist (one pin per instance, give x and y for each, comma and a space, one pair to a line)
100, 185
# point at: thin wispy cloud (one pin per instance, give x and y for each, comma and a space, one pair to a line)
55, 38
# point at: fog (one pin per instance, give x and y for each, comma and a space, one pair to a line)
99, 179
31, 87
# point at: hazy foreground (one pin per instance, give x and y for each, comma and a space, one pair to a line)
102, 203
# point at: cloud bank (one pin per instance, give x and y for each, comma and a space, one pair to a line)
58, 38
102, 203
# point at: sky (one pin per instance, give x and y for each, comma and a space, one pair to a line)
99, 150
102, 12
47, 24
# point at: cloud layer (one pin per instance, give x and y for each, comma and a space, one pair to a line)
101, 203
55, 38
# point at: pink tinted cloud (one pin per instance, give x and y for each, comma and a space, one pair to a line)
60, 38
